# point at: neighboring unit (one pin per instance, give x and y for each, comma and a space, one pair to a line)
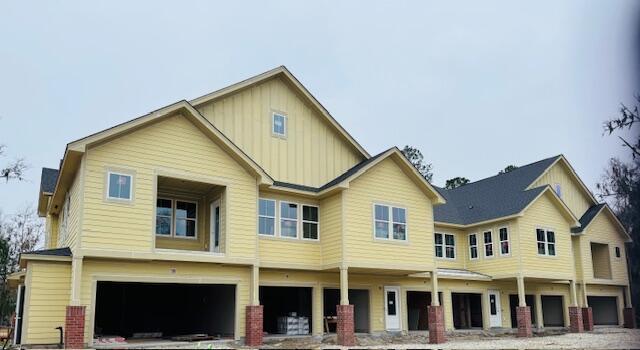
251, 212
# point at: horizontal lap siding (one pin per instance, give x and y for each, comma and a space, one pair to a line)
48, 287
313, 152
497, 264
162, 272
387, 183
545, 214
331, 227
603, 230
461, 249
175, 145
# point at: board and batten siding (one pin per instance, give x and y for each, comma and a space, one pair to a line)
48, 288
544, 213
602, 230
572, 193
172, 145
386, 183
313, 152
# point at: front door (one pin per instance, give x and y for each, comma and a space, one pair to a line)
392, 308
215, 226
495, 312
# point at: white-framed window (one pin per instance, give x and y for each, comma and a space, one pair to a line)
176, 218
279, 124
558, 189
310, 222
384, 217
445, 245
505, 247
473, 246
488, 243
119, 186
267, 217
546, 240
288, 219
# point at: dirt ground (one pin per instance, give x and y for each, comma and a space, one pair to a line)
601, 338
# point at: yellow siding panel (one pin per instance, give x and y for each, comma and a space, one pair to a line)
572, 193
48, 294
312, 154
603, 230
331, 218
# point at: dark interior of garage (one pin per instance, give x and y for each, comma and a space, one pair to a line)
467, 310
552, 311
605, 310
359, 298
292, 305
513, 303
166, 310
417, 309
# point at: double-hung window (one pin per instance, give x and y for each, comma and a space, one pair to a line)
488, 244
176, 218
309, 222
267, 217
119, 186
288, 220
546, 242
384, 217
445, 245
473, 246
504, 241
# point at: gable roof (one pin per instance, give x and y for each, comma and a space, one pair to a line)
288, 77
593, 212
493, 197
362, 167
561, 158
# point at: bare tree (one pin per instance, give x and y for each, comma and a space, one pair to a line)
14, 169
23, 232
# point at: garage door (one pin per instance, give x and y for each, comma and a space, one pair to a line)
605, 310
552, 311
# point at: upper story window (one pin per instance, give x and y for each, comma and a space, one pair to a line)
176, 218
385, 216
288, 220
267, 217
119, 186
558, 189
505, 248
309, 222
618, 254
63, 220
488, 244
546, 242
445, 245
473, 246
279, 125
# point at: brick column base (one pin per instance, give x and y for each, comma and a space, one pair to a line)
345, 327
587, 318
576, 325
74, 327
436, 324
253, 329
629, 317
523, 314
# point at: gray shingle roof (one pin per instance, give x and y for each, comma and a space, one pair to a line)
48, 180
51, 252
587, 217
493, 197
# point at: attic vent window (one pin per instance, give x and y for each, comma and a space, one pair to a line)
558, 190
279, 125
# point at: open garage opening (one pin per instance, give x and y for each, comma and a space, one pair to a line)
287, 310
164, 310
359, 298
467, 310
513, 303
417, 309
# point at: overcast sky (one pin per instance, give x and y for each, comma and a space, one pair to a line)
475, 85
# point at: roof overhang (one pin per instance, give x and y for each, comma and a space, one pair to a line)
563, 160
564, 209
612, 215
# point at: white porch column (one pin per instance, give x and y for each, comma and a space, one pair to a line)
574, 293
538, 311
521, 295
76, 280
344, 286
584, 294
255, 286
435, 301
627, 295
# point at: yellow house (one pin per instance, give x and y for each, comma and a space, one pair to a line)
251, 212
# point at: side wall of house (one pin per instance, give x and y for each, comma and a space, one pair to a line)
602, 230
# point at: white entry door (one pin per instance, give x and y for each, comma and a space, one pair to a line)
215, 227
392, 308
495, 311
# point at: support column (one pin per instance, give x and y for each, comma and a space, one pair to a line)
628, 313
436, 314
576, 324
345, 328
523, 312
587, 312
538, 310
254, 312
75, 313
